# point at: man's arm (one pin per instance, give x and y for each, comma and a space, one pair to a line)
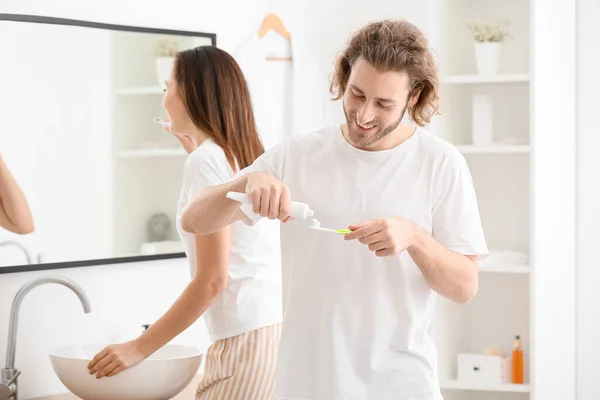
447, 255
212, 210
452, 275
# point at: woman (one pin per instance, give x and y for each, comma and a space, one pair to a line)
15, 215
235, 275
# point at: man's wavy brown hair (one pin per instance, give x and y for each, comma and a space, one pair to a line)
391, 45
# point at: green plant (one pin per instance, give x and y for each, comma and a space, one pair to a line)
167, 48
488, 31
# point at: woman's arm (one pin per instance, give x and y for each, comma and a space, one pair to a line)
210, 279
15, 214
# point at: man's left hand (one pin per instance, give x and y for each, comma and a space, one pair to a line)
384, 236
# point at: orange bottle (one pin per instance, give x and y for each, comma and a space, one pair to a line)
517, 361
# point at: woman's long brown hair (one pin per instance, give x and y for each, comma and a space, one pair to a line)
216, 96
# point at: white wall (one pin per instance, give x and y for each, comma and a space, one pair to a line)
133, 294
553, 192
588, 199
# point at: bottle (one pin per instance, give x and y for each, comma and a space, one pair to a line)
517, 361
299, 210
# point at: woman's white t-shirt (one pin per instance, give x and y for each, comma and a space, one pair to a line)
252, 298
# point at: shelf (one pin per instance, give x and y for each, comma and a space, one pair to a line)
506, 269
507, 387
482, 79
495, 149
135, 91
142, 153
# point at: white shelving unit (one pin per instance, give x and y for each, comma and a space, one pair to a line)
501, 175
508, 388
478, 79
494, 149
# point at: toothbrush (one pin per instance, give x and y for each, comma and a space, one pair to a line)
164, 123
316, 225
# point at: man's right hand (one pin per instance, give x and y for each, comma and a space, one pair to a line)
270, 198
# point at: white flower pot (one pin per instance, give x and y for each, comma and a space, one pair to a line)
164, 66
487, 55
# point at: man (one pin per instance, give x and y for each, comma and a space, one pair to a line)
358, 307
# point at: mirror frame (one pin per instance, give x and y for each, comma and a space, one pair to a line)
37, 19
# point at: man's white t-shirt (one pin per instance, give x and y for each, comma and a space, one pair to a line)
356, 325
252, 298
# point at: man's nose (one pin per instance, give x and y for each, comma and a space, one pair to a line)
365, 114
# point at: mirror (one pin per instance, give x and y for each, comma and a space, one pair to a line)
101, 177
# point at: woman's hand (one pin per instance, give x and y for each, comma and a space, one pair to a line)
116, 358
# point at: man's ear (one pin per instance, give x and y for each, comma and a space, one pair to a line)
413, 99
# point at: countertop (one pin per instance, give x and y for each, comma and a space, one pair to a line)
189, 393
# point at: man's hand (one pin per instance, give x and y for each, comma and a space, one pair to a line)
270, 198
384, 236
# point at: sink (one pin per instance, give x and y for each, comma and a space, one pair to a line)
160, 377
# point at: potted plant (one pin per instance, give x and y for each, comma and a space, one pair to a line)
488, 37
165, 57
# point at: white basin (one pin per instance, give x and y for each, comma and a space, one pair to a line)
160, 377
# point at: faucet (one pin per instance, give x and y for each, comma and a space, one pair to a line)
20, 246
9, 375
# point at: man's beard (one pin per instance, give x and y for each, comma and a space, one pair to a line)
367, 139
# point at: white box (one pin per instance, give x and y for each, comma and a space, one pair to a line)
484, 369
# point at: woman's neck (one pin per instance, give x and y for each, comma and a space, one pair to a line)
198, 137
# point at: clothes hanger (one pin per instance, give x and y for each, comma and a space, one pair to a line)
273, 22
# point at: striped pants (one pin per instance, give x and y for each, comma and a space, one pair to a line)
241, 367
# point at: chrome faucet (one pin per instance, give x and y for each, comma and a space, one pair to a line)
20, 246
9, 375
